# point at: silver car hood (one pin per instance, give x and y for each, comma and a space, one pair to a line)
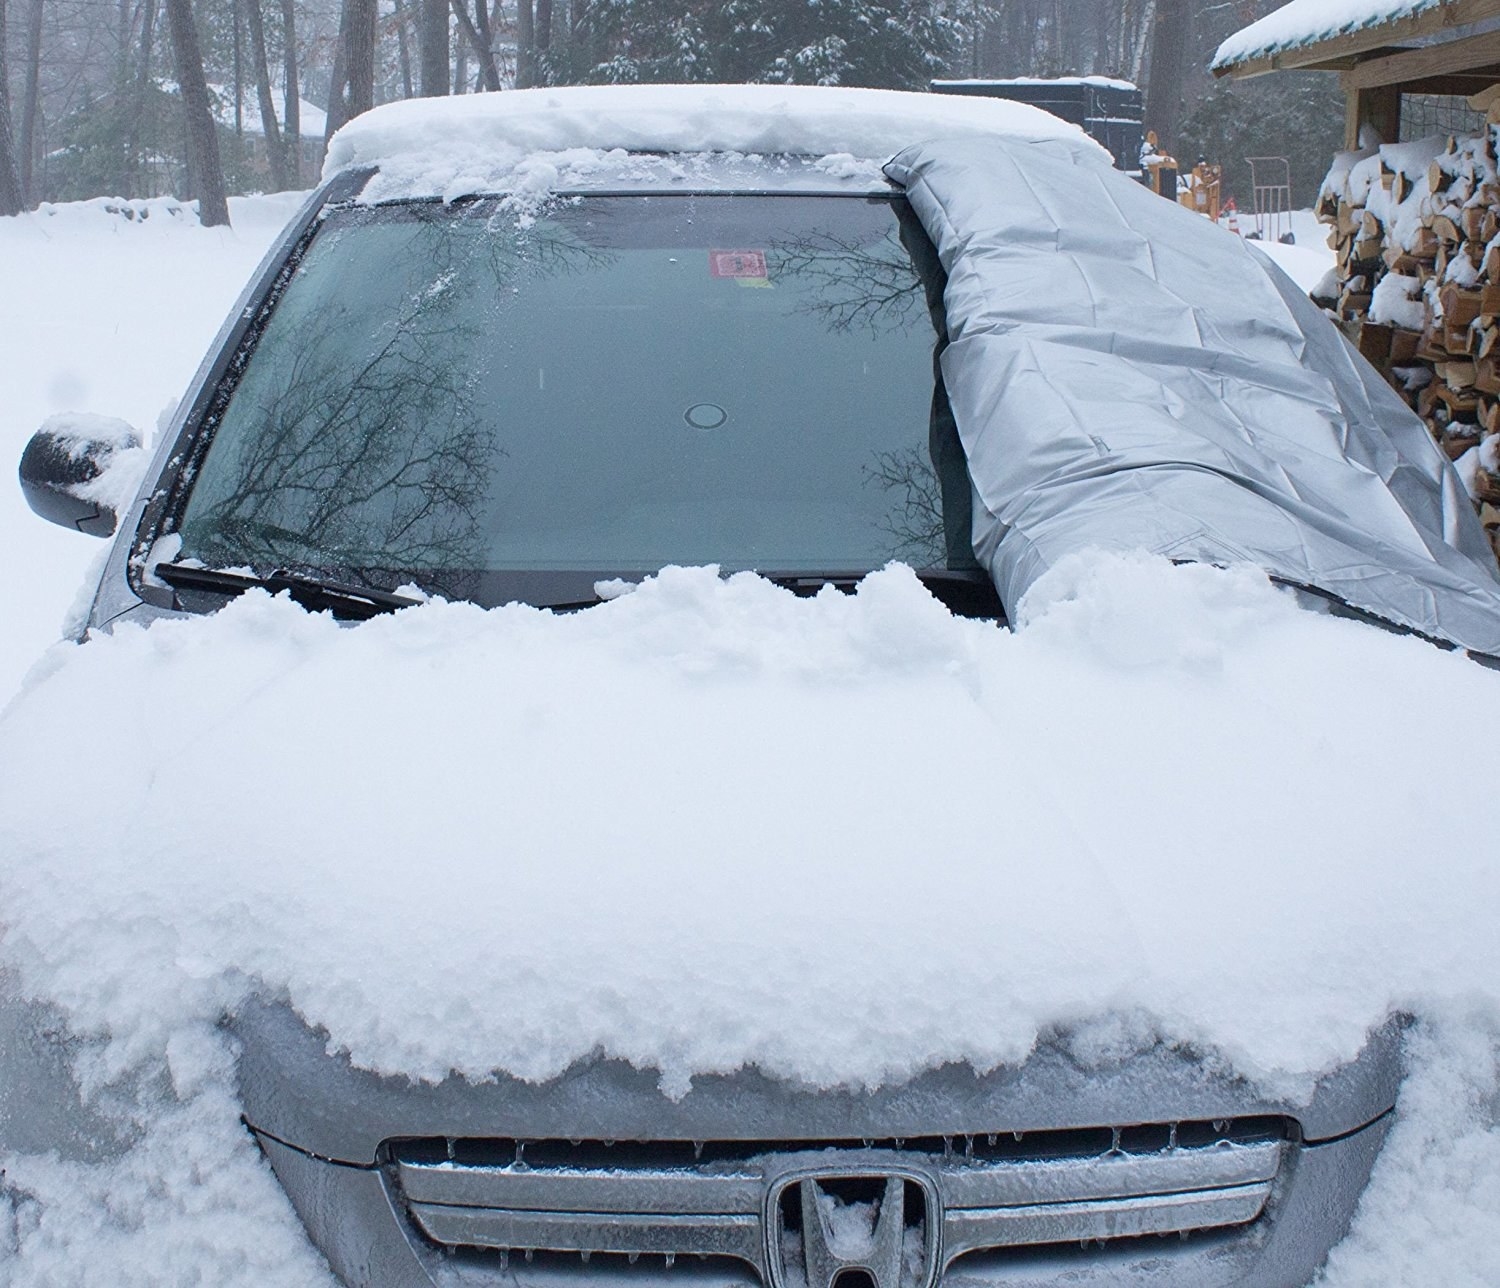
1125, 375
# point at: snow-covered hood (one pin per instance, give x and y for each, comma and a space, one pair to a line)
727, 836
712, 825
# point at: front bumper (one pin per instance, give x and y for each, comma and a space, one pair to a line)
505, 1182
361, 1219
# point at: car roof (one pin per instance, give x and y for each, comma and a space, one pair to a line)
542, 176
653, 137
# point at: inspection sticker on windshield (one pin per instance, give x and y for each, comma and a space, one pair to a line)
747, 267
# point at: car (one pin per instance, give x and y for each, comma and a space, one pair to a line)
533, 347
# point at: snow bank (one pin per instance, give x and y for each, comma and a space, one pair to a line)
1431, 1215
1304, 21
454, 146
474, 840
1308, 261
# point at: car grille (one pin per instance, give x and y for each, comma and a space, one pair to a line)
715, 1200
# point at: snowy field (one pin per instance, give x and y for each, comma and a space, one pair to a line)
1243, 804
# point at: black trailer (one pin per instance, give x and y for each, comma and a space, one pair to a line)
1109, 111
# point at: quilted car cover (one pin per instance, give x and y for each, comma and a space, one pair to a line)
1126, 375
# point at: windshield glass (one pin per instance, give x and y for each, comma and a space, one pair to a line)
473, 401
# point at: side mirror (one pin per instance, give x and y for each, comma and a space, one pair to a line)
80, 471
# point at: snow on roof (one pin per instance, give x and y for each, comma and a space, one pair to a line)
474, 142
1099, 82
1304, 22
312, 120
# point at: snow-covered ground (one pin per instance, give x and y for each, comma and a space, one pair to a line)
1308, 258
1243, 804
108, 314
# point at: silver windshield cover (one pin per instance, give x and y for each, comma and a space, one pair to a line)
1127, 376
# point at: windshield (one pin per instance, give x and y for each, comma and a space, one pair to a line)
484, 404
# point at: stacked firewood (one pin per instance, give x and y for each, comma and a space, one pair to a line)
1417, 230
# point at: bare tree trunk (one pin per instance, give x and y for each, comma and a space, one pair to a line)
237, 147
338, 80
360, 56
124, 38
239, 80
543, 37
1170, 38
477, 29
352, 88
461, 68
292, 95
486, 22
31, 95
1143, 30
205, 171
11, 202
525, 45
433, 40
495, 22
1111, 19
275, 153
140, 89
403, 52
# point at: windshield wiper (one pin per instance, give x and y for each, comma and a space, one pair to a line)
812, 582
314, 594
968, 592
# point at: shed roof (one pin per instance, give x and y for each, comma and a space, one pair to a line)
1332, 34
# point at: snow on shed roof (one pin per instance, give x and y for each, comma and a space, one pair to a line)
471, 142
1099, 82
1304, 22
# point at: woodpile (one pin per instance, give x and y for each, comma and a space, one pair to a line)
1416, 227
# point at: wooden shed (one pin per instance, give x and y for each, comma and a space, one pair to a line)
1381, 50
1413, 213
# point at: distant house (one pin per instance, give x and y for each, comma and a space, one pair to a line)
129, 144
248, 141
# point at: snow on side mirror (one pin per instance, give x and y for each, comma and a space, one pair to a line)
81, 471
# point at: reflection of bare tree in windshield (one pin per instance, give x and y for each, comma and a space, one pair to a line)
881, 286
443, 395
383, 465
915, 520
359, 443
852, 283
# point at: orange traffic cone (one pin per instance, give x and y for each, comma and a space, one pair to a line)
1234, 216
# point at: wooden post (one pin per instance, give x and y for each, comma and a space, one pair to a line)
1378, 107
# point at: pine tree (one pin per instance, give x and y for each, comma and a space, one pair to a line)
886, 43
